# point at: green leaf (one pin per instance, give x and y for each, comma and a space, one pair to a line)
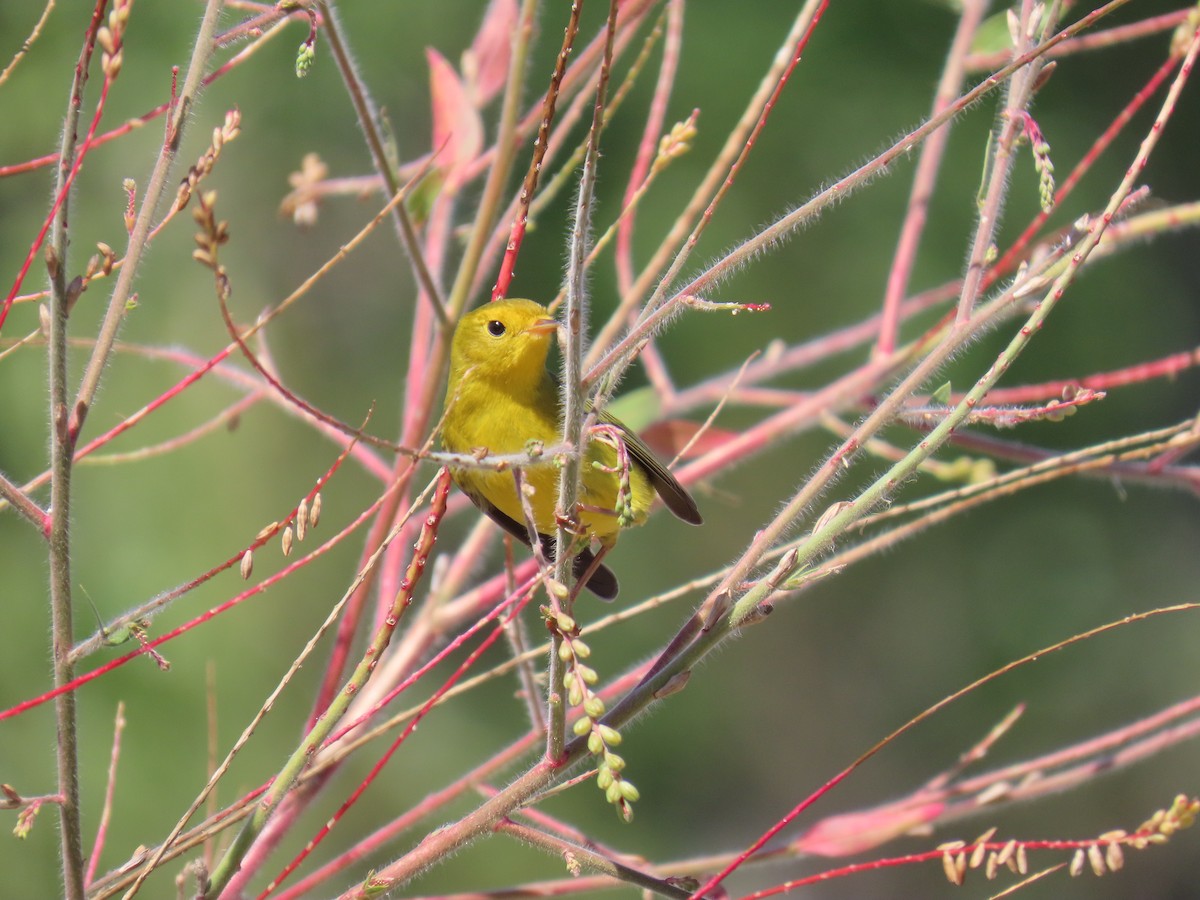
637, 409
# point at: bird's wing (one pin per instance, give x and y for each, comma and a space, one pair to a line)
674, 494
602, 583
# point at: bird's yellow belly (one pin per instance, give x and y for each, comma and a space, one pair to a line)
599, 497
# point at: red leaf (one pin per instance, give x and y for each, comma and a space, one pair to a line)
485, 62
457, 128
857, 832
668, 437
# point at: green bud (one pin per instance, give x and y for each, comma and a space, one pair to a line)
595, 744
604, 779
629, 792
304, 59
594, 707
375, 887
614, 762
118, 636
609, 735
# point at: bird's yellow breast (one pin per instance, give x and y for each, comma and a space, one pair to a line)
487, 415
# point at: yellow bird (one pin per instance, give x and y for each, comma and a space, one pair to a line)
500, 397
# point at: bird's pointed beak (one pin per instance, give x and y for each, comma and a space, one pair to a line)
543, 326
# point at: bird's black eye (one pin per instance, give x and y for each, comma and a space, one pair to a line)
495, 328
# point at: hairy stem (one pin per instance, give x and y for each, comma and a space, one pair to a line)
574, 406
622, 353
577, 855
118, 302
367, 121
506, 151
925, 178
62, 448
1004, 142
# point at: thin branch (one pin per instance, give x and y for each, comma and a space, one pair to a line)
617, 357
24, 504
511, 612
1002, 153
648, 146
285, 780
117, 632
368, 120
708, 196
28, 43
62, 445
574, 406
927, 713
109, 790
136, 122
529, 187
1120, 34
506, 151
925, 178
118, 302
579, 857
869, 498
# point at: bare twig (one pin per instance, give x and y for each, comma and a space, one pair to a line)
24, 504
157, 182
368, 121
579, 857
925, 178
574, 403
506, 147
28, 43
62, 445
529, 187
109, 791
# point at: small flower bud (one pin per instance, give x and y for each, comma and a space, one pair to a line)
594, 707
610, 735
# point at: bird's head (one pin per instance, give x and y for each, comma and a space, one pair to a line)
507, 339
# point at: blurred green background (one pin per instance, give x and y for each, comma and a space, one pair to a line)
776, 713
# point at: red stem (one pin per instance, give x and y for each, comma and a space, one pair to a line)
81, 154
648, 146
211, 613
517, 234
462, 669
924, 180
1102, 143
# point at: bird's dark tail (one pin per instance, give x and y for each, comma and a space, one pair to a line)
602, 582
